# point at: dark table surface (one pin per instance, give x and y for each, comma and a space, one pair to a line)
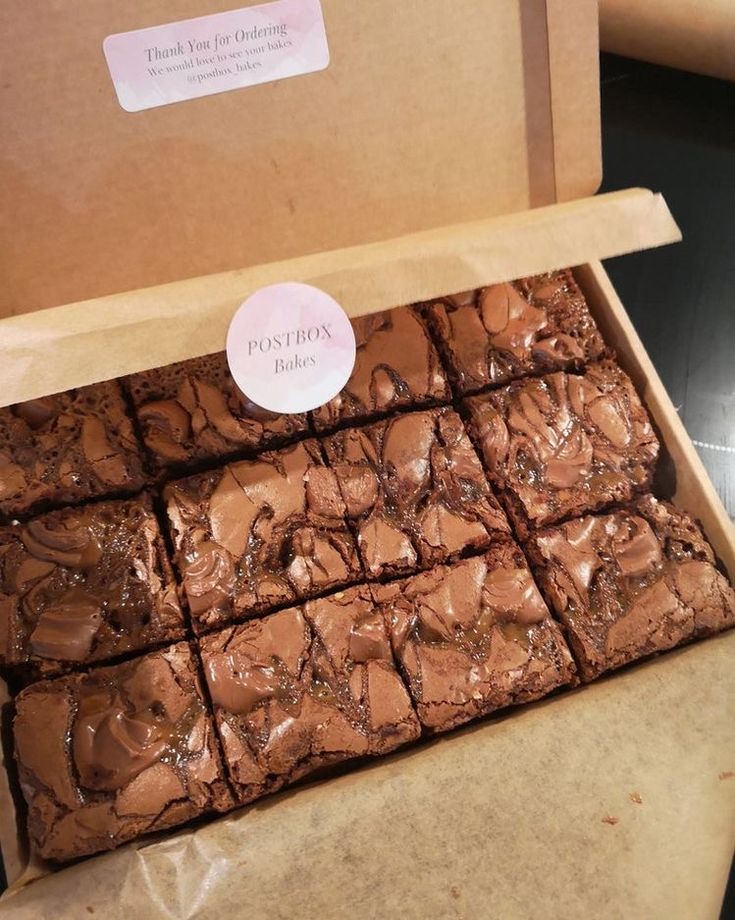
675, 133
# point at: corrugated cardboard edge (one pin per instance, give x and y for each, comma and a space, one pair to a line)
696, 35
111, 336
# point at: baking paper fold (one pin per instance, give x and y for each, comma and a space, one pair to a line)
58, 348
614, 800
697, 35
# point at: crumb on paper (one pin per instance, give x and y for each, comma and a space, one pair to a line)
610, 819
455, 892
727, 774
635, 797
90, 910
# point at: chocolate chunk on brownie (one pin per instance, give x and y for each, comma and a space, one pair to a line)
79, 585
107, 756
503, 331
193, 411
67, 448
303, 689
396, 366
631, 583
564, 444
474, 637
414, 490
259, 534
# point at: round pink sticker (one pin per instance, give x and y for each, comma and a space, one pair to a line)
290, 347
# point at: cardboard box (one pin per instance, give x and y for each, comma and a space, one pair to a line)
697, 35
396, 196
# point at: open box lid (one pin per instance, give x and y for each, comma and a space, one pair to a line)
431, 133
428, 113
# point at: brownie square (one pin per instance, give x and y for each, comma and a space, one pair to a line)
259, 534
193, 411
631, 583
561, 445
303, 689
503, 331
414, 490
67, 448
396, 366
474, 637
107, 756
79, 585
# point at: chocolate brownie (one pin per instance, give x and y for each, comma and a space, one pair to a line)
564, 444
414, 490
474, 637
107, 756
85, 584
630, 583
194, 411
503, 331
302, 689
67, 448
259, 534
396, 365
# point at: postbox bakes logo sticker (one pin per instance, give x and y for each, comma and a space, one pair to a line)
290, 347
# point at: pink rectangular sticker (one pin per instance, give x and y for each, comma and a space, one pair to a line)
216, 53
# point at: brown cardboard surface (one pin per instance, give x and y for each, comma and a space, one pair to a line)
122, 333
501, 821
696, 35
429, 113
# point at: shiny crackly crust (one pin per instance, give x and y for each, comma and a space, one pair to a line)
81, 585
396, 366
193, 411
86, 791
67, 448
258, 534
474, 637
305, 688
560, 445
631, 583
504, 331
414, 491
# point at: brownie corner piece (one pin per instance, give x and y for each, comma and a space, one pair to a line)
305, 688
474, 637
258, 534
193, 411
631, 583
85, 584
414, 491
67, 448
124, 750
504, 331
396, 366
564, 444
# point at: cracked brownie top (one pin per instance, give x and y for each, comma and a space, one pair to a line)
474, 637
194, 411
106, 756
631, 583
67, 448
305, 688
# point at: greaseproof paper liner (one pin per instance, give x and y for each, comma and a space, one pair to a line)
614, 800
55, 349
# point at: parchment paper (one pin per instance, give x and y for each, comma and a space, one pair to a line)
697, 35
530, 816
99, 339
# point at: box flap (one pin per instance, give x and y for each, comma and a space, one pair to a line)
103, 338
429, 113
